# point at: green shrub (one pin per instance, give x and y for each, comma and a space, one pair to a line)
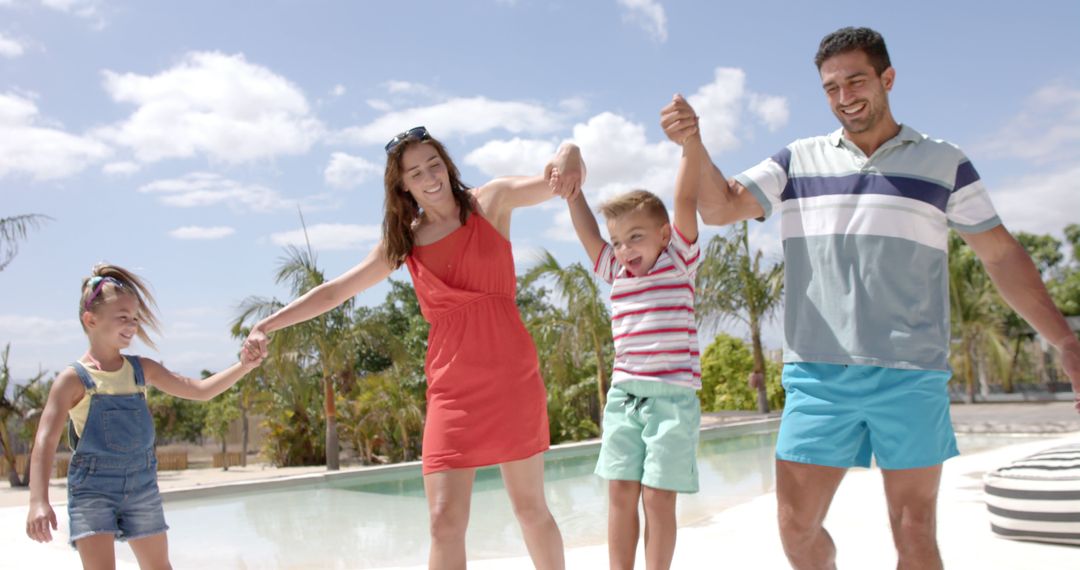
725, 366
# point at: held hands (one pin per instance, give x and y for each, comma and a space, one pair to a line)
249, 360
39, 521
566, 172
255, 347
678, 120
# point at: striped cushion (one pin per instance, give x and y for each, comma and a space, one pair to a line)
1038, 497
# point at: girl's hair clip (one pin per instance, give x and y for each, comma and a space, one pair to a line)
98, 282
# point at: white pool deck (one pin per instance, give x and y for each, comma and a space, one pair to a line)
743, 536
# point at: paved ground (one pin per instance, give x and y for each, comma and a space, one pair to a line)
1033, 417
745, 536
858, 518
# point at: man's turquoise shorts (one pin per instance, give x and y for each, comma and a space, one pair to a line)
839, 415
651, 436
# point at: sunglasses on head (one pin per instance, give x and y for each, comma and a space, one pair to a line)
415, 132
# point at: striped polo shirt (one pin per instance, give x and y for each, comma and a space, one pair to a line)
866, 277
652, 316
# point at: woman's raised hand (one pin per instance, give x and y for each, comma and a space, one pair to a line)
566, 172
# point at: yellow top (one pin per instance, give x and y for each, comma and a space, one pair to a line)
120, 381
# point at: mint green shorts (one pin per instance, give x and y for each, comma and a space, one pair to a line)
651, 435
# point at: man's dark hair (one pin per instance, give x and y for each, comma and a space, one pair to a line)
850, 39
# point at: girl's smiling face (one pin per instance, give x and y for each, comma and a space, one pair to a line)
113, 324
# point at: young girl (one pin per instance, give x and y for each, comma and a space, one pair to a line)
112, 478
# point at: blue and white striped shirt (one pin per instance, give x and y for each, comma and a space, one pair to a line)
866, 245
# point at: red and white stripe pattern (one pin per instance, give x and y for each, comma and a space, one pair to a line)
652, 316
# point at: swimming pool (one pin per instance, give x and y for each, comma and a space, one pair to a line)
354, 520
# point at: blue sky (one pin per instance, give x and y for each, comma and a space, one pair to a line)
177, 139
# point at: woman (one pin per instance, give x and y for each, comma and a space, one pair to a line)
486, 402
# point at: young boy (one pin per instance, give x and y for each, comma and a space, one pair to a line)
652, 417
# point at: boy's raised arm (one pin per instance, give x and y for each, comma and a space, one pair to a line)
585, 226
691, 166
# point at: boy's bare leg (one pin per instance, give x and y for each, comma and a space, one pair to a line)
660, 527
623, 528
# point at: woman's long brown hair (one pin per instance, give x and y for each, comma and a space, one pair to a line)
401, 210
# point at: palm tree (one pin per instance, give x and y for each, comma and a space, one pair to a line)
731, 285
30, 399
388, 410
586, 321
330, 341
247, 397
323, 341
23, 409
14, 229
978, 340
220, 413
8, 411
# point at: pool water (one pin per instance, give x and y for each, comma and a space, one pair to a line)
354, 523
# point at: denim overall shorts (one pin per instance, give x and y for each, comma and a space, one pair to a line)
112, 479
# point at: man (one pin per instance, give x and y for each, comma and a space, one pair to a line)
866, 212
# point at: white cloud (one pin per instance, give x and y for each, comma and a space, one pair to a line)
338, 90
42, 152
459, 116
379, 105
620, 158
398, 87
331, 237
719, 104
32, 330
766, 237
525, 255
770, 109
648, 14
86, 9
202, 233
347, 171
574, 105
562, 227
122, 168
1045, 135
16, 110
514, 156
1040, 203
617, 155
10, 48
208, 189
213, 104
722, 104
77, 7
40, 342
1047, 129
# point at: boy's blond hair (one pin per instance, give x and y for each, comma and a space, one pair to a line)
635, 201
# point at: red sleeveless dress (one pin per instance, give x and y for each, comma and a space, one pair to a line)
486, 402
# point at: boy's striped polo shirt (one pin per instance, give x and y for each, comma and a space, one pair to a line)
866, 245
652, 316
